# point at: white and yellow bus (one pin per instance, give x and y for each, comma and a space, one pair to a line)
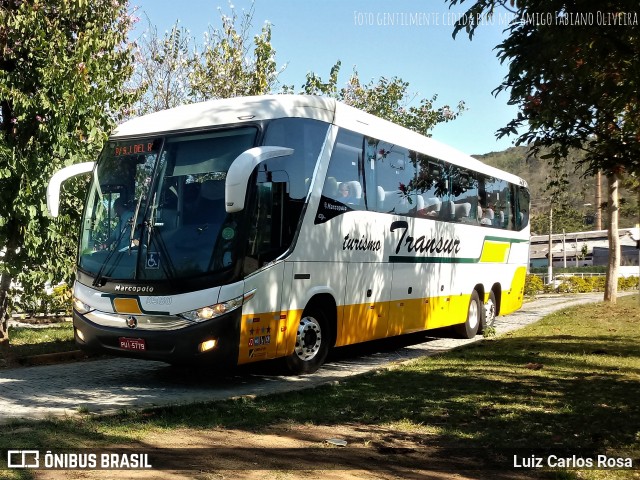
247, 229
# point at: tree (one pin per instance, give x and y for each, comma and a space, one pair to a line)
231, 64
63, 64
174, 69
162, 69
386, 98
564, 218
575, 81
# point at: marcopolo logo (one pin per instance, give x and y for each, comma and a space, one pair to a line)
133, 288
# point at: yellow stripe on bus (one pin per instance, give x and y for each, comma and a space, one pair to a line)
126, 305
513, 298
273, 334
495, 252
363, 322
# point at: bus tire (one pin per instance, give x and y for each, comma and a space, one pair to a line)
470, 327
490, 311
311, 343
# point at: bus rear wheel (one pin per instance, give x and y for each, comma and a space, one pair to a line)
490, 309
311, 345
470, 327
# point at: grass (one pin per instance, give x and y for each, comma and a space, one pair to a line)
27, 341
569, 382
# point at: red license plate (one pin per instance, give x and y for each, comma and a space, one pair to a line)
132, 343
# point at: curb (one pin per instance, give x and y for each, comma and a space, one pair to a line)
51, 358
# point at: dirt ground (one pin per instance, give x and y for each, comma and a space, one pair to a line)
296, 451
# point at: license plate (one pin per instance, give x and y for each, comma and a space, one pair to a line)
132, 343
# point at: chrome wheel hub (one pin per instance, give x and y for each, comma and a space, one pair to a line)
490, 313
308, 339
474, 318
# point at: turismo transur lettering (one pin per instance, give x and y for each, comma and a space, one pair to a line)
423, 244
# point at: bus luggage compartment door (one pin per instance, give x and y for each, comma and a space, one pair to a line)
366, 311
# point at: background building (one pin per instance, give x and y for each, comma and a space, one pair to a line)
578, 249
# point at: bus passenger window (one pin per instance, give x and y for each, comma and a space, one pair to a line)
464, 190
393, 174
522, 197
495, 201
343, 182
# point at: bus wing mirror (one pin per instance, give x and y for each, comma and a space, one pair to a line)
235, 189
53, 189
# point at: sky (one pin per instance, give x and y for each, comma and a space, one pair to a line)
377, 38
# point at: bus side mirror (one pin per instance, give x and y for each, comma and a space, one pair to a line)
235, 189
53, 189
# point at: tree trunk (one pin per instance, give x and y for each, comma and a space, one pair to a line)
5, 289
598, 200
5, 284
611, 286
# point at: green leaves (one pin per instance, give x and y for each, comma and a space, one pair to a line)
63, 66
386, 98
576, 85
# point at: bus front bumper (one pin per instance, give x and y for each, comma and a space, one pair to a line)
189, 345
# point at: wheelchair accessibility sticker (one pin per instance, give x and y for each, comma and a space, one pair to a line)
153, 261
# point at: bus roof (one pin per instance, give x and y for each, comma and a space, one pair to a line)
229, 111
250, 109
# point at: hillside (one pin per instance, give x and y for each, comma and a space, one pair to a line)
579, 195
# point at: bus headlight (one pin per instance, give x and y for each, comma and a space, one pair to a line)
80, 306
213, 311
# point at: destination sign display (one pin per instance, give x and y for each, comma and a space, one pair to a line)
138, 148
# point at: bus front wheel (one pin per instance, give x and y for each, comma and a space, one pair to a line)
311, 344
469, 328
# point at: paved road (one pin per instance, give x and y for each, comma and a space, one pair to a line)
110, 385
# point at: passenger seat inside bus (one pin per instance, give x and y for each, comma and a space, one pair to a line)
430, 207
488, 217
356, 190
330, 188
447, 211
463, 210
209, 205
381, 196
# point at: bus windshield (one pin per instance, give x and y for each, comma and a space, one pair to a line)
155, 209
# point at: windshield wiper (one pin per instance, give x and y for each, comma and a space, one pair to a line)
134, 223
151, 223
98, 280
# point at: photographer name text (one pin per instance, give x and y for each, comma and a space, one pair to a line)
558, 18
573, 461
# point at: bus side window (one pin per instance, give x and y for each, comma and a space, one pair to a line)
343, 182
428, 186
522, 207
464, 188
496, 203
393, 174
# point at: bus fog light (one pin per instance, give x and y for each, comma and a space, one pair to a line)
207, 345
80, 335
